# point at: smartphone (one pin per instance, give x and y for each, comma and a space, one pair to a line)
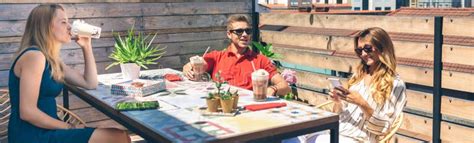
335, 82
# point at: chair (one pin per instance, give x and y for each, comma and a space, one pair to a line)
394, 128
69, 117
4, 115
327, 106
63, 114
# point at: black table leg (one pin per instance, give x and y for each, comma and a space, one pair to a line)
335, 134
65, 98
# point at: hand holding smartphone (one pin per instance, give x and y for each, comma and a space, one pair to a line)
336, 83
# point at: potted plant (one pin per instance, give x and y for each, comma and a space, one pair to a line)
235, 98
133, 52
211, 103
226, 102
224, 99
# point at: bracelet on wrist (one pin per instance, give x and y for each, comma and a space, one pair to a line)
274, 89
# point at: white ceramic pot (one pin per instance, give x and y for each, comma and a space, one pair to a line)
130, 71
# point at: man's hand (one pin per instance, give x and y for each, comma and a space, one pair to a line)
188, 71
271, 91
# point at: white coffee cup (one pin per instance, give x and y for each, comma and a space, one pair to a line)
79, 27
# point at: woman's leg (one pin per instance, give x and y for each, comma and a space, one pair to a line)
109, 135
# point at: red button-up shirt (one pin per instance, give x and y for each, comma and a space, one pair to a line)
237, 71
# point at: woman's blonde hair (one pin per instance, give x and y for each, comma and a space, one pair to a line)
38, 33
385, 70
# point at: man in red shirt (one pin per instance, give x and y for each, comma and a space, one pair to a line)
235, 62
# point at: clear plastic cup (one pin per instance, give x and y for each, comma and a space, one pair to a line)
199, 68
79, 27
260, 84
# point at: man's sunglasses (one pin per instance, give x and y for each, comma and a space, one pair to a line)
367, 49
239, 32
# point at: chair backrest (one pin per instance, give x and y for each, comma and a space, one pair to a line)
393, 129
5, 106
4, 114
326, 106
69, 117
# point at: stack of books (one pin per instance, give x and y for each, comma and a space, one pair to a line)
138, 87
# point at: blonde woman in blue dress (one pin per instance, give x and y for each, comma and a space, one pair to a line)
36, 77
375, 97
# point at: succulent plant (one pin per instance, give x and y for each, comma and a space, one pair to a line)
136, 49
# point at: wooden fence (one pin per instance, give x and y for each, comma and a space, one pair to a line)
185, 27
321, 46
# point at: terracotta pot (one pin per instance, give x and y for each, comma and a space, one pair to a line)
235, 99
212, 104
218, 100
227, 105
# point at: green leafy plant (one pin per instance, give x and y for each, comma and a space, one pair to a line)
210, 96
289, 96
266, 50
135, 49
226, 95
219, 82
223, 95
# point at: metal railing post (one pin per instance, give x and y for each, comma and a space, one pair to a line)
255, 21
437, 88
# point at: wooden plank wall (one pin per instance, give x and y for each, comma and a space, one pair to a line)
325, 41
185, 27
421, 25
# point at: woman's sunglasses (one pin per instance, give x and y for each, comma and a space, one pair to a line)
239, 32
367, 49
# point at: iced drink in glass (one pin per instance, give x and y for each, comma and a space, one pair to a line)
199, 67
260, 84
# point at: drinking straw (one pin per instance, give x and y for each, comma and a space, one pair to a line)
253, 66
206, 51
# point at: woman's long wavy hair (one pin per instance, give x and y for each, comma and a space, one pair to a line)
38, 33
385, 69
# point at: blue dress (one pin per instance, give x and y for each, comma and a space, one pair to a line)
20, 131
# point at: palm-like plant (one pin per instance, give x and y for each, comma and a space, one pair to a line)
136, 49
266, 50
